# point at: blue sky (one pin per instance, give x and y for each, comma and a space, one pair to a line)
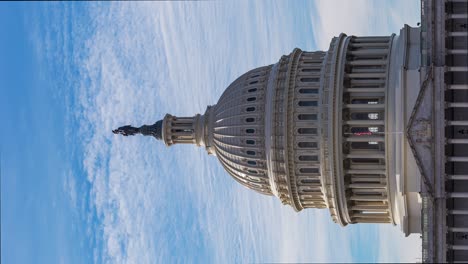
72, 192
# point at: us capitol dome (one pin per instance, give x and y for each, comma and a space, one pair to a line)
323, 129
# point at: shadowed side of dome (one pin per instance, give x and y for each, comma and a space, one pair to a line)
238, 130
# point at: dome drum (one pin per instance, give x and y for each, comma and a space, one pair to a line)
357, 98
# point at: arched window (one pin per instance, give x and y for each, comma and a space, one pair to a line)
307, 144
309, 181
307, 103
308, 158
308, 91
310, 70
307, 117
309, 79
309, 170
311, 131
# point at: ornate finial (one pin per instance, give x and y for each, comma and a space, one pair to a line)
154, 130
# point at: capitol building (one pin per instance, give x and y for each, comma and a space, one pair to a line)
368, 130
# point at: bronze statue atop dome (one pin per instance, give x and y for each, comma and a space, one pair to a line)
126, 131
154, 130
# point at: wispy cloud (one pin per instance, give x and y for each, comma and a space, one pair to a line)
361, 18
155, 204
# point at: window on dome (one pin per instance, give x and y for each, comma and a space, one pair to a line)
252, 162
253, 82
309, 181
365, 116
307, 144
252, 90
365, 160
255, 76
365, 101
253, 171
250, 142
310, 191
308, 91
250, 131
250, 152
307, 103
364, 145
309, 170
309, 79
310, 70
251, 99
307, 117
308, 158
307, 131
250, 120
250, 109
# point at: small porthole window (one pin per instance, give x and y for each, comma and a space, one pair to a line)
252, 162
250, 152
250, 109
253, 82
250, 120
250, 142
251, 99
252, 171
252, 90
250, 131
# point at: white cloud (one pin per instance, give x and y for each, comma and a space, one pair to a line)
361, 18
144, 60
